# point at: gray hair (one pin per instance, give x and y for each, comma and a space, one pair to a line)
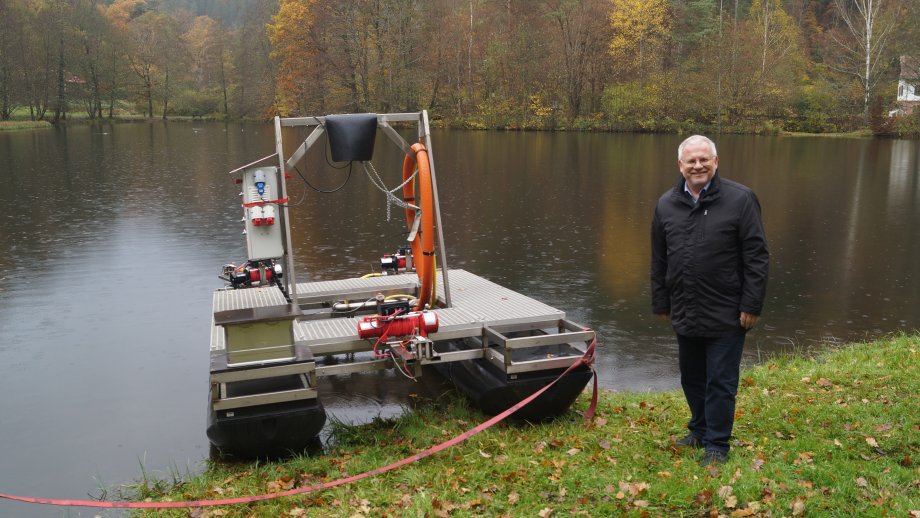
696, 139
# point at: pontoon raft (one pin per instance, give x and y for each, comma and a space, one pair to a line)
271, 337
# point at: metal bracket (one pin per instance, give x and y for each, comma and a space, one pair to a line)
304, 147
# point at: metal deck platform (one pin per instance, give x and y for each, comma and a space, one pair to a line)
477, 302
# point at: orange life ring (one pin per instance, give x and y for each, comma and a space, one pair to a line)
423, 244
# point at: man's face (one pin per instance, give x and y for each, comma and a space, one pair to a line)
697, 165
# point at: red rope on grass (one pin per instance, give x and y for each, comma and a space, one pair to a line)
586, 359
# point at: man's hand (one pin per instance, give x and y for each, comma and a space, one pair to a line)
748, 320
664, 317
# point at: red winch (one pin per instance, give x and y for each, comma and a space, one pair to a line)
414, 323
398, 262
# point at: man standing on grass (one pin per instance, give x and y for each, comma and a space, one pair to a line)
709, 277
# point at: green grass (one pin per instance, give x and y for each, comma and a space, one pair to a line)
861, 133
833, 435
23, 125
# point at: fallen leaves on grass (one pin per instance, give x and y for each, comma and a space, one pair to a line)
634, 489
279, 485
704, 498
726, 493
806, 457
207, 513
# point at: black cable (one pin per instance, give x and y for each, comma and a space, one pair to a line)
326, 152
321, 190
350, 166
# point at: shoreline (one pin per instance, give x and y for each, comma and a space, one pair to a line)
25, 124
813, 434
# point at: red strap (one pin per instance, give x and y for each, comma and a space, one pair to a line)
587, 359
255, 203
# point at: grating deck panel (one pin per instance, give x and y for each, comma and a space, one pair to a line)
407, 283
226, 300
493, 304
476, 302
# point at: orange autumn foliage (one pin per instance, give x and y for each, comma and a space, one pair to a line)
294, 54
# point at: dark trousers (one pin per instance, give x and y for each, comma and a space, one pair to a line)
709, 369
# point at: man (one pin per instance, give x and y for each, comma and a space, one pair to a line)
709, 277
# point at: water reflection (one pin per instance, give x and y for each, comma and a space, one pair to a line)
112, 236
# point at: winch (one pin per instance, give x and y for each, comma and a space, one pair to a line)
405, 335
413, 323
401, 261
252, 273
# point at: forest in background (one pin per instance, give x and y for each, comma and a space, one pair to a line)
620, 65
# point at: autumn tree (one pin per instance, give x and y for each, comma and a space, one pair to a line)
579, 28
777, 37
453, 45
640, 31
294, 52
10, 66
206, 46
43, 58
171, 59
116, 69
351, 51
92, 53
863, 38
694, 67
639, 34
399, 37
695, 23
254, 83
143, 56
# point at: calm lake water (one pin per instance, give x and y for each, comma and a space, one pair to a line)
112, 237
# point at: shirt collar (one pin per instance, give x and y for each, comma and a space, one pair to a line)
697, 198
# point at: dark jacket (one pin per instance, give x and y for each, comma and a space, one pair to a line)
709, 259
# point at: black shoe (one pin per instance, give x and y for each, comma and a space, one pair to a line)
711, 457
690, 441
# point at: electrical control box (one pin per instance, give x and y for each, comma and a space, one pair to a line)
262, 213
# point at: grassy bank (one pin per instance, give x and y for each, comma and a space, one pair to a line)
834, 435
23, 125
863, 133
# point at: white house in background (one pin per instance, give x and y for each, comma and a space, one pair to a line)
908, 85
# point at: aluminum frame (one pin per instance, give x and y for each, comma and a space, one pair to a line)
383, 122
